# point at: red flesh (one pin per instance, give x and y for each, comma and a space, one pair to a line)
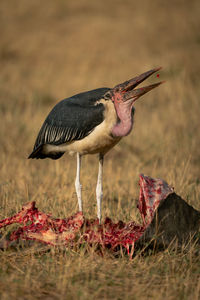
39, 226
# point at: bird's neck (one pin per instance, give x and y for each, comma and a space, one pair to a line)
124, 125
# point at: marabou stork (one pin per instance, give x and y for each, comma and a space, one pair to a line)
88, 123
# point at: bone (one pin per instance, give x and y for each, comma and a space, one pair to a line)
165, 215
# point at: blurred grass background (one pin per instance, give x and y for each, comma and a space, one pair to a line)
50, 50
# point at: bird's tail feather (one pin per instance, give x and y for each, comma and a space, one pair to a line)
38, 154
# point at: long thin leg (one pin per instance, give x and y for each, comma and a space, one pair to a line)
99, 188
77, 182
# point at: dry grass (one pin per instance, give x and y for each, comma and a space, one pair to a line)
52, 49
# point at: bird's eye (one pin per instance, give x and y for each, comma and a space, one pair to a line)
107, 96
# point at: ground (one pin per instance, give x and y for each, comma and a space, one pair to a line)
50, 50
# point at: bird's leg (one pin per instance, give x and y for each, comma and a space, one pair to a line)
77, 182
99, 188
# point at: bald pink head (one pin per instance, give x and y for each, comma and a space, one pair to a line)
123, 96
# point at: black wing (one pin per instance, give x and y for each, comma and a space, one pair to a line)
71, 119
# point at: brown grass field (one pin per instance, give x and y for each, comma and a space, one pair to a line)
50, 50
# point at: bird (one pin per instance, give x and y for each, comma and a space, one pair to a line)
90, 122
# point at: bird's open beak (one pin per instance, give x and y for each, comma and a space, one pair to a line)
126, 90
